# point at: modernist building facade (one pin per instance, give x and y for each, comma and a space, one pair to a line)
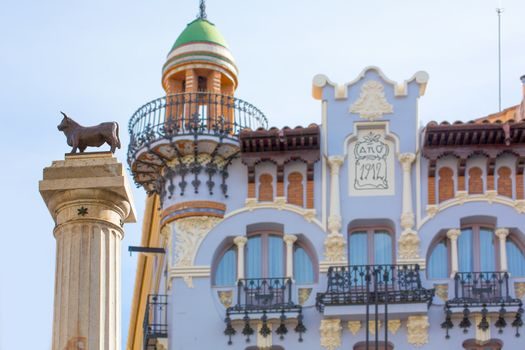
364, 229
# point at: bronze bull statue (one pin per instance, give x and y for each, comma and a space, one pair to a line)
80, 137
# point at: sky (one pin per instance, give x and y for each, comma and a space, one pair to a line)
100, 60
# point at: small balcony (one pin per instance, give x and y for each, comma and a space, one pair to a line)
155, 326
481, 293
258, 300
352, 290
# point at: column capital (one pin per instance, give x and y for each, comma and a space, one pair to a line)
240, 241
453, 234
502, 233
335, 162
406, 160
289, 239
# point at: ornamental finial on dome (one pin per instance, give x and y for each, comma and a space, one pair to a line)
202, 10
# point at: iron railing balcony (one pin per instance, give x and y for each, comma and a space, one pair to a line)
155, 324
258, 298
373, 284
483, 292
196, 113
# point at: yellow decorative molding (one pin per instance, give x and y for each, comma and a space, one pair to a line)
225, 297
251, 204
519, 289
372, 103
331, 333
303, 295
442, 291
189, 233
372, 326
417, 330
334, 247
482, 336
408, 245
393, 326
354, 326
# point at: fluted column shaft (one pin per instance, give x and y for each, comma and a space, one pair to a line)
502, 234
240, 242
334, 219
289, 240
407, 215
453, 235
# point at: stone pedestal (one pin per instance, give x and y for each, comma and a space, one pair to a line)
89, 199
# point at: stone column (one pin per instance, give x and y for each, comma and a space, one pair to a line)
335, 243
502, 234
289, 240
89, 199
240, 242
334, 219
407, 215
453, 235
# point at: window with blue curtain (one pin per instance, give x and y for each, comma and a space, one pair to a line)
437, 266
358, 248
226, 273
487, 253
303, 269
382, 248
515, 259
465, 250
275, 256
254, 257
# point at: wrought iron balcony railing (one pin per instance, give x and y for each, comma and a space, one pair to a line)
371, 284
482, 290
155, 324
259, 297
192, 114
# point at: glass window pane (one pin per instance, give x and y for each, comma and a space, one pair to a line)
382, 248
438, 262
275, 256
254, 257
358, 248
515, 259
303, 269
487, 254
226, 270
465, 250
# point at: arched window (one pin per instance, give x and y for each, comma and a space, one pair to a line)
370, 246
475, 181
303, 269
505, 181
476, 249
515, 259
437, 267
265, 256
226, 273
446, 184
266, 188
295, 188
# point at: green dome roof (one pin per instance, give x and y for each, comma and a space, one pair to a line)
200, 30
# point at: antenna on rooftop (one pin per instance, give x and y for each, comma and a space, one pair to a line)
499, 11
202, 10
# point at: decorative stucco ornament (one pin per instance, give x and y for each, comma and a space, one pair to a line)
372, 326
189, 233
393, 326
432, 210
407, 220
520, 206
331, 333
225, 297
442, 291
417, 330
372, 103
304, 294
490, 195
519, 289
354, 326
334, 247
409, 245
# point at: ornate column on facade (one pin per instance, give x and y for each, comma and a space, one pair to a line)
502, 234
240, 242
89, 199
335, 243
453, 235
407, 215
289, 240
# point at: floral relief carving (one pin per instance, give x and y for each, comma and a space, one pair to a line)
372, 326
334, 247
304, 294
519, 289
189, 233
372, 102
393, 326
331, 333
441, 291
225, 297
354, 326
409, 245
417, 330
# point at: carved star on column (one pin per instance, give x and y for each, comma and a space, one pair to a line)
82, 211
